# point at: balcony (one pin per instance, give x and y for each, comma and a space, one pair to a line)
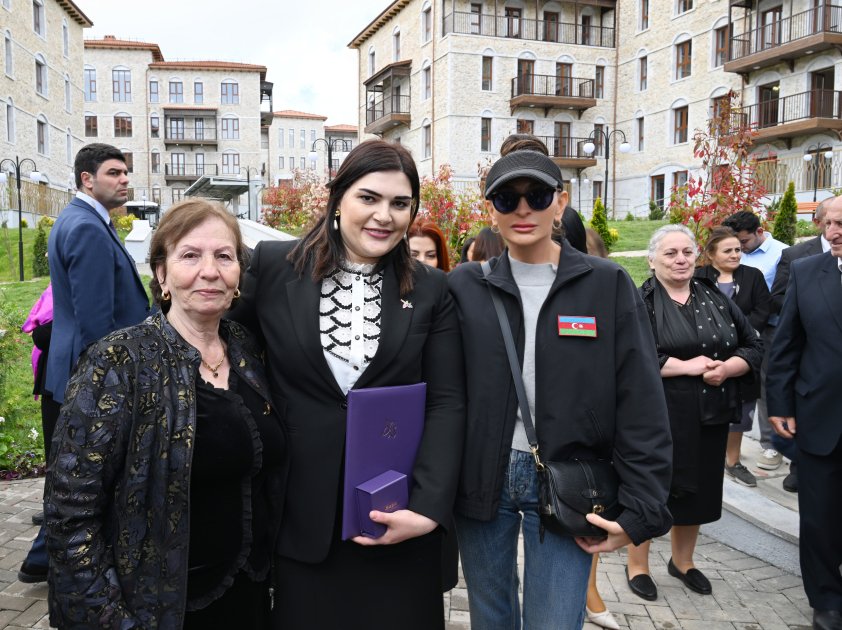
548, 92
466, 23
188, 172
567, 151
792, 116
178, 135
386, 106
786, 39
386, 113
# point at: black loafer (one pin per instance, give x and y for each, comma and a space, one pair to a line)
38, 518
827, 619
643, 586
694, 579
32, 573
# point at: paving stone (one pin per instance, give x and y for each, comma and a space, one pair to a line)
640, 623
680, 603
10, 602
763, 573
663, 618
31, 615
744, 563
707, 625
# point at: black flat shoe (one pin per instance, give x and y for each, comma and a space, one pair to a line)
38, 518
827, 620
32, 573
643, 586
694, 579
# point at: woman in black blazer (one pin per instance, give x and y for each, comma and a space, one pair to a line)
747, 289
347, 307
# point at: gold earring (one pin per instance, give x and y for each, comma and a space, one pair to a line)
165, 296
237, 293
336, 219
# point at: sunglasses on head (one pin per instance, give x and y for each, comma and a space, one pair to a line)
506, 201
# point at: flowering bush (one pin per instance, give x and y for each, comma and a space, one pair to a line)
457, 213
294, 206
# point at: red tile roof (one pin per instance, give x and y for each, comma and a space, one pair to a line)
341, 128
75, 12
211, 65
291, 113
111, 42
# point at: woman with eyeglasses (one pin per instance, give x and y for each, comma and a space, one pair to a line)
593, 392
747, 289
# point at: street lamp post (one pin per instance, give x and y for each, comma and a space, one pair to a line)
330, 144
248, 184
590, 147
828, 155
35, 176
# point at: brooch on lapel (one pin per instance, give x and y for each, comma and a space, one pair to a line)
406, 304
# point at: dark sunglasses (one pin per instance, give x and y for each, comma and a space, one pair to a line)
506, 201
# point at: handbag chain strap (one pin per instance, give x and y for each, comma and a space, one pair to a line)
514, 365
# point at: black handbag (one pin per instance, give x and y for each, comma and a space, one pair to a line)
567, 490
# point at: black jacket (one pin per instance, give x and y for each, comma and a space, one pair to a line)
811, 247
750, 292
594, 396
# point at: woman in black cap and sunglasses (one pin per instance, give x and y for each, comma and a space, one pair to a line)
590, 374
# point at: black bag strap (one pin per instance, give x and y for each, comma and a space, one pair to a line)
514, 365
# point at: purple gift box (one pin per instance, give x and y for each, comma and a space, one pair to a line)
387, 492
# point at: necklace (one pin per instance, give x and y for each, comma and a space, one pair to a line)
215, 368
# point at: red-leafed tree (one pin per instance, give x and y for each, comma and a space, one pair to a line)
294, 205
726, 181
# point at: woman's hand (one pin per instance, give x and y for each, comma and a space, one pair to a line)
617, 537
401, 525
716, 376
698, 366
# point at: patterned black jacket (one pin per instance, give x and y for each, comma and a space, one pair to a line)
116, 497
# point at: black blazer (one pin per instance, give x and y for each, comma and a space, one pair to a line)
803, 378
417, 344
750, 293
799, 250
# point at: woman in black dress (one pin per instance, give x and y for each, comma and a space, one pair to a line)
704, 343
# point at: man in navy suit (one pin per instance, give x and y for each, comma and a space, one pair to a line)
96, 287
803, 385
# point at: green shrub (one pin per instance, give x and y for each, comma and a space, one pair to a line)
806, 228
40, 266
122, 221
599, 223
629, 216
46, 222
786, 217
24, 223
656, 212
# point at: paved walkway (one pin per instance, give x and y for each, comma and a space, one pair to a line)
748, 593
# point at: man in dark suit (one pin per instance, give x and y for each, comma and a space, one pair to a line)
811, 247
803, 385
96, 287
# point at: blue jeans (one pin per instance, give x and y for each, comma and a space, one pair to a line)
556, 571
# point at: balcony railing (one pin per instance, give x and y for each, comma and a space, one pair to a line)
177, 134
465, 23
826, 19
385, 107
569, 147
549, 85
194, 171
790, 109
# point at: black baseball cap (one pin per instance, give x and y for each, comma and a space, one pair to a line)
530, 164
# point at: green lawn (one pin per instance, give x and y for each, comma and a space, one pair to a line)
637, 266
9, 271
634, 235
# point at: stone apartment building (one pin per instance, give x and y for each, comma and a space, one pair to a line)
451, 79
176, 121
41, 96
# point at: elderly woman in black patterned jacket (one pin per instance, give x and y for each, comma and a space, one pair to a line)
166, 484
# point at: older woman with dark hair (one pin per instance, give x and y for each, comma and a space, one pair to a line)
704, 342
427, 244
347, 307
166, 484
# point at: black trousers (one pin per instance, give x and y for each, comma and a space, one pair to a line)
820, 509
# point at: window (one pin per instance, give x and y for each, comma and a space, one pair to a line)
485, 134
68, 101
42, 133
312, 136
176, 92
230, 128
598, 136
679, 127
156, 162
512, 24
679, 179
200, 164
65, 39
178, 164
281, 138
302, 163
599, 82
551, 26
291, 163
476, 18
129, 160
8, 51
396, 46
40, 75
121, 81
487, 73
198, 92
683, 59
177, 194
302, 139
643, 80
427, 24
641, 134
156, 195
291, 138
230, 93
155, 126
372, 62
199, 129
10, 120
154, 93
656, 190
122, 126
230, 163
720, 46
426, 83
683, 6
39, 20
596, 190
525, 126
644, 15
281, 163
91, 126
90, 85
175, 128
427, 140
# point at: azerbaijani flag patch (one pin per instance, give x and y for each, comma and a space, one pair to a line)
576, 326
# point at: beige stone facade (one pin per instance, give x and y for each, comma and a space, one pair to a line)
450, 80
179, 120
292, 135
41, 87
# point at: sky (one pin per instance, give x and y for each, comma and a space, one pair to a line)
304, 45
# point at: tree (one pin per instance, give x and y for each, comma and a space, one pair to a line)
294, 206
725, 183
599, 223
787, 217
40, 266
